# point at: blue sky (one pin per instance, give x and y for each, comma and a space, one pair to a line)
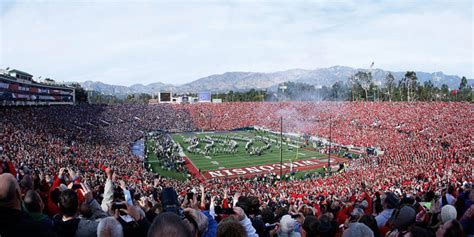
128, 42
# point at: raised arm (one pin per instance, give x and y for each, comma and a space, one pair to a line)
108, 190
97, 212
202, 206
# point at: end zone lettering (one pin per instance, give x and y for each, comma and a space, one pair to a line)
253, 170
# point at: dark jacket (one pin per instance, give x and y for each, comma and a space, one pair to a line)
80, 227
65, 228
18, 223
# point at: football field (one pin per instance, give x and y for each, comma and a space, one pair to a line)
222, 157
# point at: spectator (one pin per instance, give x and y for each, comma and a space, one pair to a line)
370, 222
13, 221
287, 227
109, 227
450, 229
416, 231
230, 228
358, 230
245, 222
34, 206
197, 220
310, 227
169, 224
448, 198
403, 220
68, 223
448, 213
390, 202
467, 221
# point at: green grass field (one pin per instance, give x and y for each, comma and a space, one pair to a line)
242, 158
157, 168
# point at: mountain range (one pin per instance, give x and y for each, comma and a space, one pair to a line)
242, 81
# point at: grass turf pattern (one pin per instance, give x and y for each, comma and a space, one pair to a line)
242, 158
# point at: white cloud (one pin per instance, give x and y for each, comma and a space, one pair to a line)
143, 41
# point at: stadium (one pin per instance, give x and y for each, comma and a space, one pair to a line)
235, 119
409, 156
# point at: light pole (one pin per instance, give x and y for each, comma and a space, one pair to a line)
281, 148
330, 146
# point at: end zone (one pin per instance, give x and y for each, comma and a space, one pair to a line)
275, 167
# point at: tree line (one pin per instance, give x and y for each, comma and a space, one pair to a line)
360, 87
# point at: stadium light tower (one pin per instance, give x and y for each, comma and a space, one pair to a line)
281, 148
283, 88
330, 146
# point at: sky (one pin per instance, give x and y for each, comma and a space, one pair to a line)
175, 42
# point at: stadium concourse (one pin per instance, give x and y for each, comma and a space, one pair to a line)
69, 171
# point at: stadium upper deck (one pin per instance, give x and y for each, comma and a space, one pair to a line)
19, 88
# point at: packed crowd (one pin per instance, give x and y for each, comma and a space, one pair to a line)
69, 171
167, 151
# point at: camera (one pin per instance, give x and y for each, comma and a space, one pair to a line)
270, 226
190, 196
294, 216
119, 206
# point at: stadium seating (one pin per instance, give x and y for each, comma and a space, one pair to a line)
69, 160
